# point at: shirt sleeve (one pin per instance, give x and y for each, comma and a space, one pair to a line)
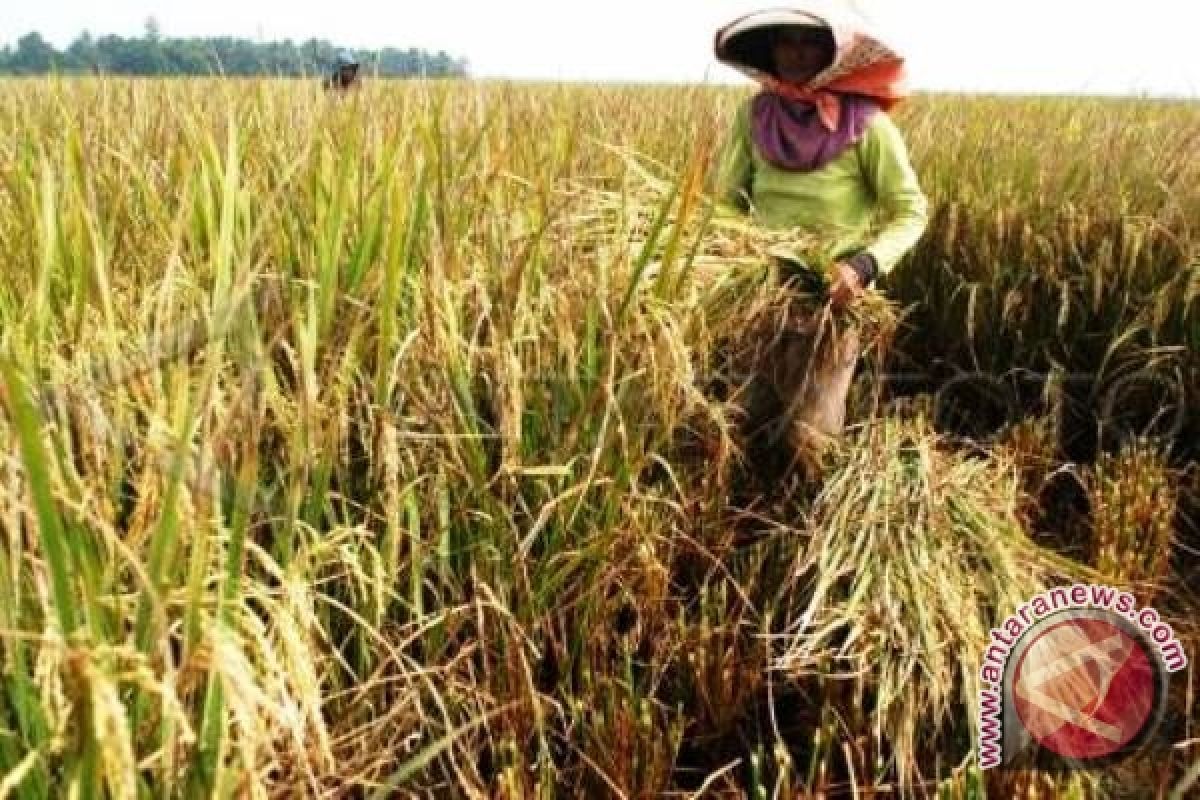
735, 167
888, 170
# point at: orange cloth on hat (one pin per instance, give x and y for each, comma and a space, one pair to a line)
884, 81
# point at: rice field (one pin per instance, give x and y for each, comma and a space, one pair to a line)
398, 445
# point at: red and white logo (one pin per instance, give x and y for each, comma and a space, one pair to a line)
1077, 676
1085, 688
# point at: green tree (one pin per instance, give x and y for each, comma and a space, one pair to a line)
153, 54
154, 59
82, 54
34, 55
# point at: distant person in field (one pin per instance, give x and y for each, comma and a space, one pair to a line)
345, 72
815, 149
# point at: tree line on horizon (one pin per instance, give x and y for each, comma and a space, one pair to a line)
154, 54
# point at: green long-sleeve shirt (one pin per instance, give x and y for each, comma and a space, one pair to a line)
868, 198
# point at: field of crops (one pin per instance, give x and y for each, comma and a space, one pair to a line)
395, 444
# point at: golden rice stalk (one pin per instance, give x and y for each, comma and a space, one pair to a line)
1032, 446
1132, 496
110, 726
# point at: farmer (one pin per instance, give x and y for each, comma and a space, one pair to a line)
815, 149
345, 72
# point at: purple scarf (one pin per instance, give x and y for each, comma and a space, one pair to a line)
789, 133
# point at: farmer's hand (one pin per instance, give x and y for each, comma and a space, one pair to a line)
847, 286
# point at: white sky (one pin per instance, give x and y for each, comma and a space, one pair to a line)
988, 45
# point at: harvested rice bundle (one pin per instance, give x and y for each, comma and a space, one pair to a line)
914, 554
671, 230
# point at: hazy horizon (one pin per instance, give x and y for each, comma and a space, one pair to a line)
1018, 47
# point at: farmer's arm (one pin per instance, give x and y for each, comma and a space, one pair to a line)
886, 167
735, 168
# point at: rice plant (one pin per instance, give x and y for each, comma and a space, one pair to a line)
392, 445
